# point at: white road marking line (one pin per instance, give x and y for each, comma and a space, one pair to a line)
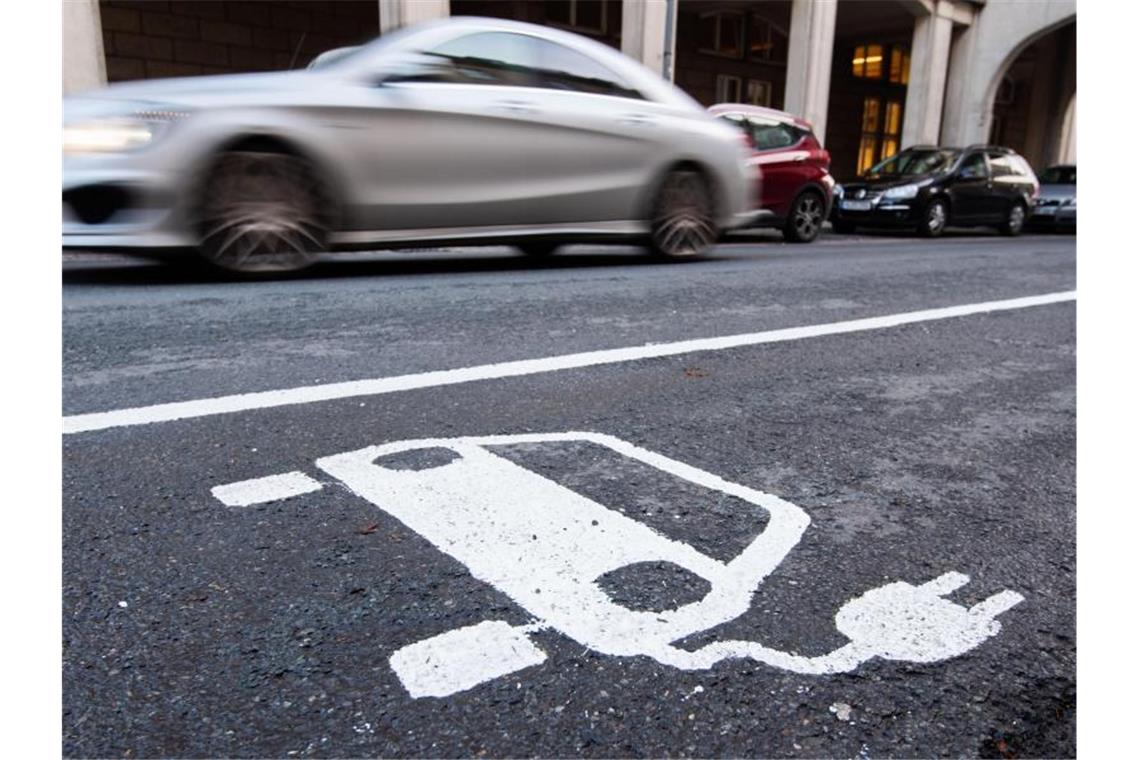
466, 657
260, 490
242, 402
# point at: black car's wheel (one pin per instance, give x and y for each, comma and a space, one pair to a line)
261, 213
842, 228
538, 249
934, 219
1014, 221
805, 218
681, 222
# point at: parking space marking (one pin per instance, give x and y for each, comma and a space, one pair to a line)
246, 493
547, 547
206, 407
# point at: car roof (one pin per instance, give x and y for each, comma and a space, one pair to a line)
760, 111
438, 30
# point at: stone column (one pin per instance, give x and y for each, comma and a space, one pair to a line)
929, 59
811, 39
1067, 150
84, 67
397, 13
647, 36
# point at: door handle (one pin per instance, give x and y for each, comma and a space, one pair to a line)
638, 120
515, 106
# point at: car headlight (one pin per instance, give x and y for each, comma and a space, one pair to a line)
902, 191
1071, 202
837, 191
116, 135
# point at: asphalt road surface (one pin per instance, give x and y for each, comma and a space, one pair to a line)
733, 541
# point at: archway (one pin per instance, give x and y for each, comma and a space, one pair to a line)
1031, 94
983, 52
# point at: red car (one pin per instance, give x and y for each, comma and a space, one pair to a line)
796, 186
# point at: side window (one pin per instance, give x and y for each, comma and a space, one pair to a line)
493, 58
560, 68
1023, 167
773, 135
1002, 165
973, 167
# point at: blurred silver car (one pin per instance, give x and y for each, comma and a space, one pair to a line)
454, 131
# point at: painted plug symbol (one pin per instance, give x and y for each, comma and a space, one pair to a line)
901, 621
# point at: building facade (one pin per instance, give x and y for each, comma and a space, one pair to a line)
873, 76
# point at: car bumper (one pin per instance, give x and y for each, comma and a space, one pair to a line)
112, 206
1054, 216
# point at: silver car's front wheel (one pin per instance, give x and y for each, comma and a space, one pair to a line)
682, 224
261, 213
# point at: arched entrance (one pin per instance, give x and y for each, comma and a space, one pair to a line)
984, 52
1032, 94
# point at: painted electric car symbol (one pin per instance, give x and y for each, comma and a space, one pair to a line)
547, 546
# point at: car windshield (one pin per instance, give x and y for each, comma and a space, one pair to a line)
911, 163
1059, 175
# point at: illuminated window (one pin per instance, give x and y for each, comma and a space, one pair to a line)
869, 141
892, 128
881, 133
900, 65
867, 62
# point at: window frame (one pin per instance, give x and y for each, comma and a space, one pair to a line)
719, 15
728, 79
573, 24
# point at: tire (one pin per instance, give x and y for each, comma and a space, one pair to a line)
1014, 223
538, 249
681, 223
842, 228
934, 219
261, 213
805, 218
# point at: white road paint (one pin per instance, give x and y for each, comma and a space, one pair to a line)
143, 415
546, 546
466, 657
245, 493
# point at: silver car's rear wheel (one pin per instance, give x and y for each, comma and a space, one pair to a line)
261, 213
682, 225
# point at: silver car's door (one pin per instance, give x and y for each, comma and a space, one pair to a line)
501, 129
452, 143
602, 140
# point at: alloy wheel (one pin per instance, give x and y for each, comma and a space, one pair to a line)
1016, 219
682, 224
936, 218
261, 213
807, 217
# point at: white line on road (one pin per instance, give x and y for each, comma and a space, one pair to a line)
143, 415
245, 493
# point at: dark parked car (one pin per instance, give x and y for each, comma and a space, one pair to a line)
1057, 206
796, 187
926, 188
